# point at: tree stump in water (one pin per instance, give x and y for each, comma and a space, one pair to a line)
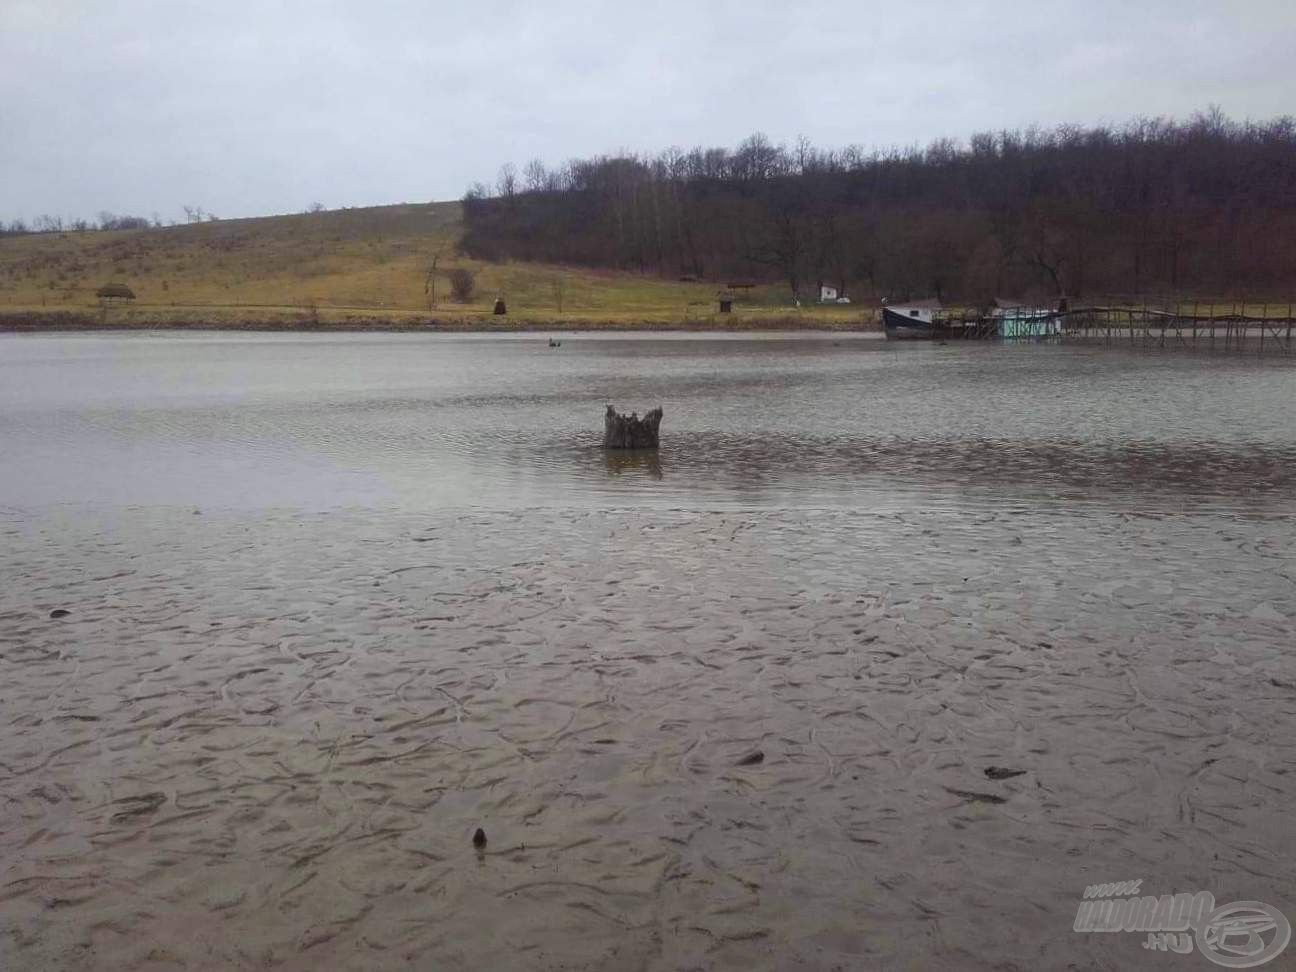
630, 431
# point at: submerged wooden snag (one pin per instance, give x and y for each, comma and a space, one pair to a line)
631, 431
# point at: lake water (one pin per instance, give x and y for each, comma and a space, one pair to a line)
888, 654
413, 422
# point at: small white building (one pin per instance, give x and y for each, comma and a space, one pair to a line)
827, 295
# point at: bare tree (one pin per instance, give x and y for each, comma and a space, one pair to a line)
507, 182
805, 154
535, 177
1044, 244
111, 221
559, 285
462, 284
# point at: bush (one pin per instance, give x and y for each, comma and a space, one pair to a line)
462, 284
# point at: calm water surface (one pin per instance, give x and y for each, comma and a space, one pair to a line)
502, 422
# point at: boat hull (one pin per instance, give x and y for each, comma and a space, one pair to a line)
901, 328
910, 334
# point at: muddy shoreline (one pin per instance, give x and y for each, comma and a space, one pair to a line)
695, 740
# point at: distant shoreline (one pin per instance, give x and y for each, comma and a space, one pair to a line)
31, 323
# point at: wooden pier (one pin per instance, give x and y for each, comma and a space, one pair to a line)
1238, 326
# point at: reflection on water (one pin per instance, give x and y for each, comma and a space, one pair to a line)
641, 462
420, 421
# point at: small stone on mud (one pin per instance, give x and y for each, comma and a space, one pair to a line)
1003, 772
224, 898
479, 838
752, 759
1266, 612
59, 613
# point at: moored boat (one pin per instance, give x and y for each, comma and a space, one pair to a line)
922, 320
909, 323
925, 320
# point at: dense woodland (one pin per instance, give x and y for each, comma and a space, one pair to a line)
1202, 207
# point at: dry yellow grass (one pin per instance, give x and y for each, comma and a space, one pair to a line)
354, 265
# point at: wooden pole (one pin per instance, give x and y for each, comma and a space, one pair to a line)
430, 286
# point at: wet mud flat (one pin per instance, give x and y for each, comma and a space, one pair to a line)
813, 740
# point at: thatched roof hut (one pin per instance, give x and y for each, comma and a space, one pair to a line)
115, 291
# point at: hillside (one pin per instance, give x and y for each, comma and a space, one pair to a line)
354, 266
1205, 207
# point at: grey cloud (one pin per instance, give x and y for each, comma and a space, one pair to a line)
248, 108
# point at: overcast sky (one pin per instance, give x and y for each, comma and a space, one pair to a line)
144, 106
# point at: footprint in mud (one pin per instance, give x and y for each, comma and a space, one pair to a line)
971, 796
138, 806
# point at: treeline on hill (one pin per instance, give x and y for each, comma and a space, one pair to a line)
104, 222
56, 224
1206, 206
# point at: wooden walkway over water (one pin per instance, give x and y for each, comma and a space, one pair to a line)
1267, 328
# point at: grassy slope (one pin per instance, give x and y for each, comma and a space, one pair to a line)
357, 266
